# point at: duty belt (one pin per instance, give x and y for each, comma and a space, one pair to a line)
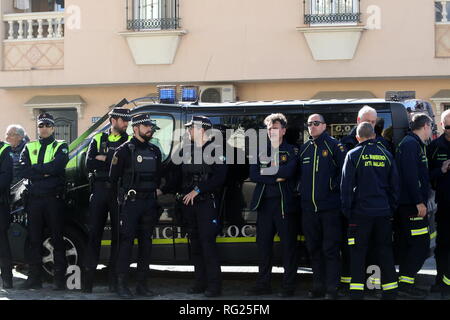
133, 195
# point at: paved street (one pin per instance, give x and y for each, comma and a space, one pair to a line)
171, 283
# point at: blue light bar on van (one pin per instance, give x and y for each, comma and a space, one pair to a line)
189, 93
167, 94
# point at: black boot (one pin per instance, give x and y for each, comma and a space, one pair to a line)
34, 280
59, 280
112, 282
141, 287
122, 287
7, 277
87, 280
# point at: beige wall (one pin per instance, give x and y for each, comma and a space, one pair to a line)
237, 40
98, 99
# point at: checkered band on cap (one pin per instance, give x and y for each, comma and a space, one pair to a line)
140, 119
120, 112
199, 121
45, 117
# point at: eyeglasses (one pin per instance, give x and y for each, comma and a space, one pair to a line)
447, 127
315, 123
47, 125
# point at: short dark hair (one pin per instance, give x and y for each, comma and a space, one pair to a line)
419, 120
365, 130
276, 117
322, 119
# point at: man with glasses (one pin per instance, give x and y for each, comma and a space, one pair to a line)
43, 163
321, 161
103, 199
439, 164
411, 221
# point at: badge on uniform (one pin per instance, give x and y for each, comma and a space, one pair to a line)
114, 160
283, 158
139, 158
324, 153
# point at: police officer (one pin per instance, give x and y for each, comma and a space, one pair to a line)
365, 114
104, 196
411, 221
321, 160
439, 165
135, 167
43, 163
274, 201
6, 176
202, 173
369, 193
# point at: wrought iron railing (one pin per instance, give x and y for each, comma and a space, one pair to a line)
331, 11
152, 14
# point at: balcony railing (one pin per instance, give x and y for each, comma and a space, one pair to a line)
442, 9
152, 15
34, 26
331, 11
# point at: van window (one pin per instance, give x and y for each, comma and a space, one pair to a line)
162, 138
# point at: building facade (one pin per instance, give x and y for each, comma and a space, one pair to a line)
76, 58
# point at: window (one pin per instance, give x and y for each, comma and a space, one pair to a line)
442, 11
332, 12
152, 14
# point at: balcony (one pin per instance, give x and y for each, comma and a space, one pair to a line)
332, 29
33, 41
153, 30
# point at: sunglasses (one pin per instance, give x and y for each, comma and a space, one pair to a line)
447, 127
46, 125
315, 123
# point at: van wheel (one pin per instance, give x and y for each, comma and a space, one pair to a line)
75, 245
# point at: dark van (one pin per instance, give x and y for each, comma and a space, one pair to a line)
237, 243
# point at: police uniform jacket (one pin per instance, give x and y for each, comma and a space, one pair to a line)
412, 165
43, 163
266, 185
122, 163
321, 162
103, 144
438, 152
370, 182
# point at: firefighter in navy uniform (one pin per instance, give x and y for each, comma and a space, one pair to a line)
43, 163
135, 168
321, 160
202, 184
104, 196
365, 114
439, 165
411, 225
369, 193
6, 177
273, 199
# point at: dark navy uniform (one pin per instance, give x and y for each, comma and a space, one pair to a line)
438, 152
321, 163
412, 232
135, 167
274, 202
43, 163
6, 176
103, 200
351, 142
201, 218
369, 192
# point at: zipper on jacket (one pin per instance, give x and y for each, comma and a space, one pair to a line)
260, 196
282, 200
315, 168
